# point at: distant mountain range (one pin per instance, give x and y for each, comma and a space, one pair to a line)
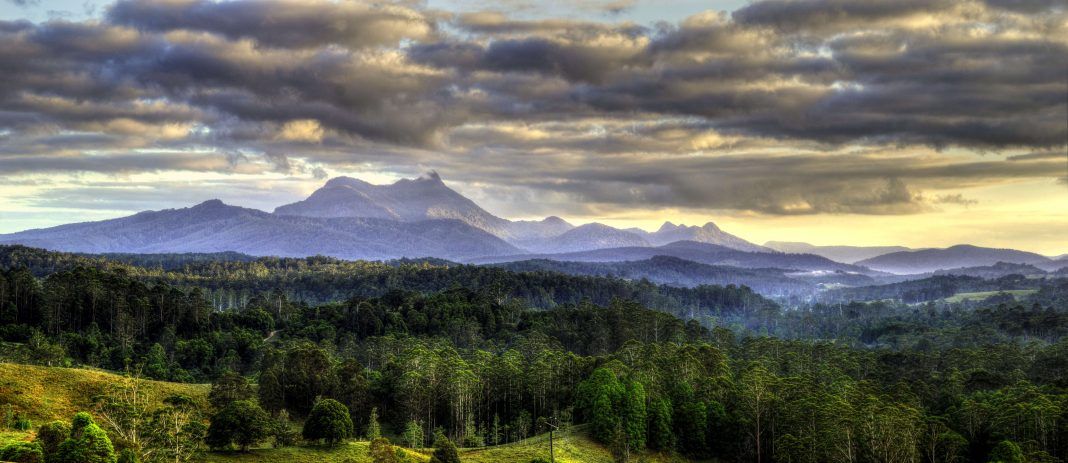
422, 217
703, 253
681, 272
350, 218
845, 254
215, 227
428, 197
960, 256
997, 270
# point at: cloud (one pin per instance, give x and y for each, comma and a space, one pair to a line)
303, 130
958, 199
781, 107
282, 23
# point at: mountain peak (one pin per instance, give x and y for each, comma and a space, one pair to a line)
554, 220
344, 181
210, 204
430, 176
710, 226
667, 226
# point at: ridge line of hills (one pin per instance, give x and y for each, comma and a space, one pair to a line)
352, 219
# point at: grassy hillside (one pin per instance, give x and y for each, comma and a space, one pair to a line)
980, 295
569, 448
46, 394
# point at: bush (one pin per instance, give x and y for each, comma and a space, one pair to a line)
87, 443
22, 452
22, 423
329, 421
382, 451
284, 434
444, 450
242, 422
51, 435
128, 456
1006, 451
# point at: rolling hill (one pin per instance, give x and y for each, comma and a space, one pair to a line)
51, 393
960, 256
703, 253
844, 254
680, 272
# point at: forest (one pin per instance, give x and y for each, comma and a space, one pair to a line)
431, 354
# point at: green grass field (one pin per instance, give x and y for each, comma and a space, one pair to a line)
47, 394
978, 296
569, 448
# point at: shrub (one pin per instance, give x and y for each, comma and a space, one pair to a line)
22, 452
87, 443
242, 422
1006, 451
51, 435
444, 450
329, 421
284, 434
128, 456
22, 423
382, 451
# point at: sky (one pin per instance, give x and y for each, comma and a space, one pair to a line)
923, 123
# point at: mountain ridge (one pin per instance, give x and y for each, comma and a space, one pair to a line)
953, 257
427, 197
213, 226
843, 254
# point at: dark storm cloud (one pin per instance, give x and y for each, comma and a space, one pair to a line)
780, 185
282, 23
807, 15
1028, 6
302, 87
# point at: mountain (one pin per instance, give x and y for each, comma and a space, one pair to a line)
681, 272
530, 230
408, 200
587, 237
997, 270
711, 254
931, 260
427, 197
708, 233
1055, 264
216, 227
844, 254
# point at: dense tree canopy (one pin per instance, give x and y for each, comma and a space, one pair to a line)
447, 351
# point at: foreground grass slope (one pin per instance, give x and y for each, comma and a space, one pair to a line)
574, 447
51, 393
47, 394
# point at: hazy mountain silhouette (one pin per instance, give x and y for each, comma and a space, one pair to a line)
955, 257
844, 254
214, 227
